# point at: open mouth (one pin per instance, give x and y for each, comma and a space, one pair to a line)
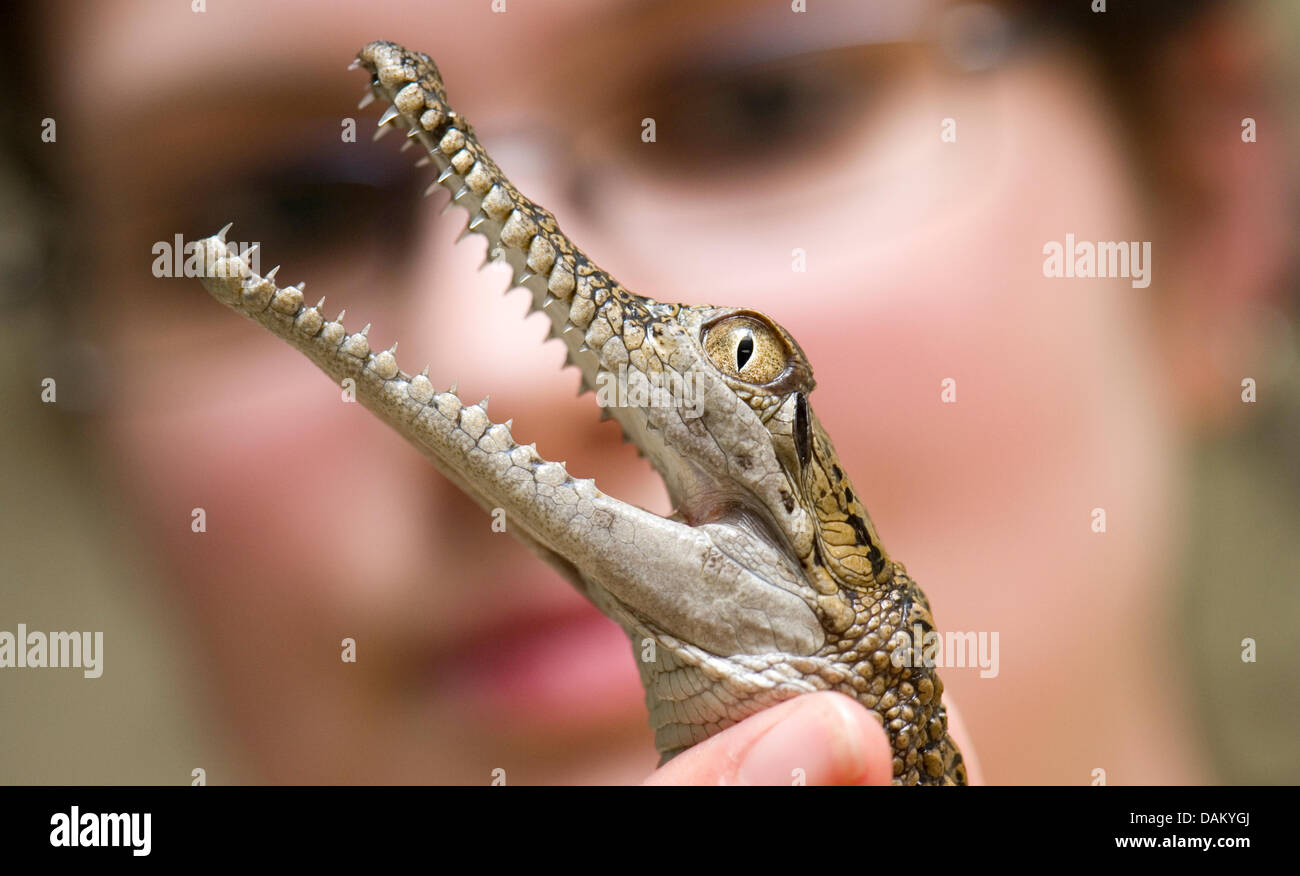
721, 471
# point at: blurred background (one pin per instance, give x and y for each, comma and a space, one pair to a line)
920, 155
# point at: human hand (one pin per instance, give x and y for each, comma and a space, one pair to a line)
830, 737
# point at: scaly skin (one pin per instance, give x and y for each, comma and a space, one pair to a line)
769, 581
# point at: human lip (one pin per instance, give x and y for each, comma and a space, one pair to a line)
555, 667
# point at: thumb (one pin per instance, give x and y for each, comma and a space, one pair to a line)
829, 737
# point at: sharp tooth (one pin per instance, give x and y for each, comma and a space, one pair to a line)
414, 132
356, 62
446, 174
221, 235
464, 190
476, 221
367, 100
389, 114
433, 187
453, 387
270, 275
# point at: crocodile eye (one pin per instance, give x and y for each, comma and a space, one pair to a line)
747, 349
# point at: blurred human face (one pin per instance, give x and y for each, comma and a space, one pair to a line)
775, 132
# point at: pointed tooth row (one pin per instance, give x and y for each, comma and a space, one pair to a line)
585, 306
399, 398
577, 296
229, 277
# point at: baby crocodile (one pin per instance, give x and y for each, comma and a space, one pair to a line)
769, 579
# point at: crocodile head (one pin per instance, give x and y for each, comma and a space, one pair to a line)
768, 579
717, 399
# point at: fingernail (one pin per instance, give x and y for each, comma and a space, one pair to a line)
817, 744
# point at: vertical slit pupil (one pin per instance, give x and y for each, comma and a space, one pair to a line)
744, 350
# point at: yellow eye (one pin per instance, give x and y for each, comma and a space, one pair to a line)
747, 349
